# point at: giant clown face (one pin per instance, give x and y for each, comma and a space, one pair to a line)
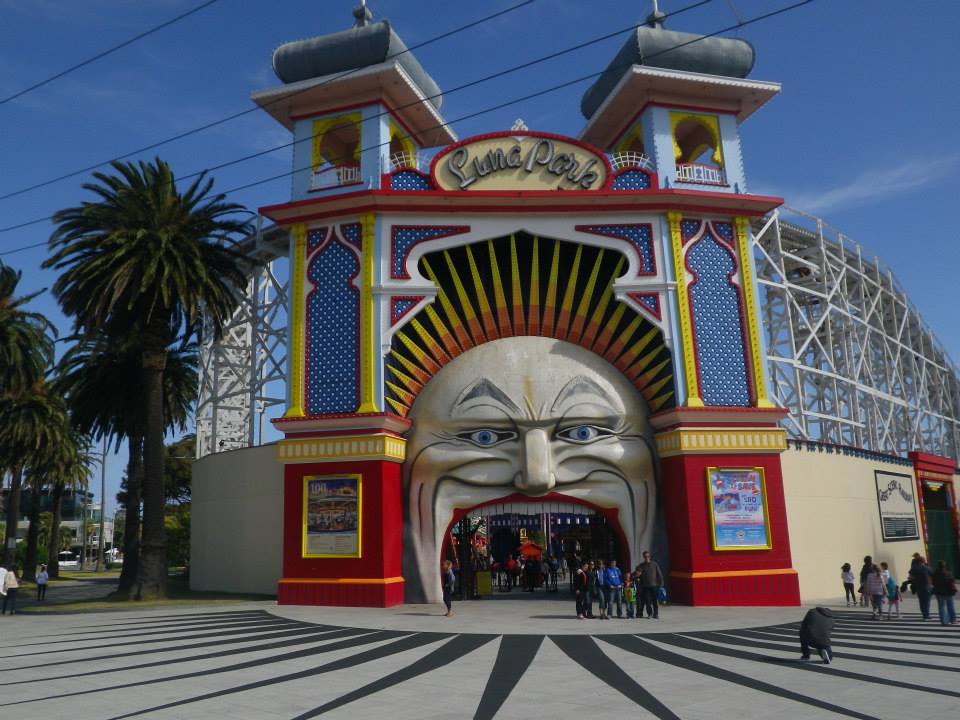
528, 415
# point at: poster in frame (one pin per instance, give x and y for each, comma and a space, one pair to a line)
332, 506
739, 519
897, 505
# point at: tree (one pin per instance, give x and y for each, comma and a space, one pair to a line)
31, 425
147, 264
101, 380
26, 342
26, 349
71, 471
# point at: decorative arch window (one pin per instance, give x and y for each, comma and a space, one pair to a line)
630, 151
697, 148
336, 151
403, 151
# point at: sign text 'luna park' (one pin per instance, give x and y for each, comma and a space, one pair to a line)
506, 161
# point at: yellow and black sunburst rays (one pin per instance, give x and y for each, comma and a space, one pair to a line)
525, 285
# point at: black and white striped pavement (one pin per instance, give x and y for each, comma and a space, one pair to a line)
253, 663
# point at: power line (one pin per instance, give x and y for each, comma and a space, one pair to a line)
464, 86
451, 91
478, 113
539, 93
242, 113
109, 51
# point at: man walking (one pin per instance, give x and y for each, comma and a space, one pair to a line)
602, 586
651, 578
581, 584
614, 589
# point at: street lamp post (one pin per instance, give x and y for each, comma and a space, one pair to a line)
103, 501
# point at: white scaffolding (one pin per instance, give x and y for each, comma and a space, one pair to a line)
849, 356
243, 374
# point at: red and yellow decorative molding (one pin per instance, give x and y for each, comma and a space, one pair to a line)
368, 349
686, 441
342, 581
379, 446
742, 227
683, 307
297, 324
731, 573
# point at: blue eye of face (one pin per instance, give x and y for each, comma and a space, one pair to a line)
582, 434
486, 437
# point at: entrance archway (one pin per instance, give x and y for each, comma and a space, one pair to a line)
527, 426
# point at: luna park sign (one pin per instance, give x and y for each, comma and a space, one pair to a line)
520, 161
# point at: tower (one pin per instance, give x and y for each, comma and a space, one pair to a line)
674, 102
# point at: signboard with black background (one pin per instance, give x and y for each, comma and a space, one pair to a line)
898, 506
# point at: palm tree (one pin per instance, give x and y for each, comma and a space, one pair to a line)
146, 264
101, 381
31, 425
26, 345
71, 473
26, 348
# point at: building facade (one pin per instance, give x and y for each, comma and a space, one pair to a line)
525, 331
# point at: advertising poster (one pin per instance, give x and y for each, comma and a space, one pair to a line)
898, 509
331, 516
738, 509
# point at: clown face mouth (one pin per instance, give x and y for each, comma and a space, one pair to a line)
539, 421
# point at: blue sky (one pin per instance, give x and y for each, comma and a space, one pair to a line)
858, 135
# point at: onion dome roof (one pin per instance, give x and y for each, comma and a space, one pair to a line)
687, 52
359, 47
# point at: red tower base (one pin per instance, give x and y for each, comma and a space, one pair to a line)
348, 592
691, 442
362, 452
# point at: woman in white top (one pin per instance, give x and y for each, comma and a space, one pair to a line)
43, 577
10, 585
846, 574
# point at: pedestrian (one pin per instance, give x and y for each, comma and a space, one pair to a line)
893, 596
511, 567
874, 589
629, 595
651, 578
614, 589
846, 575
945, 587
581, 584
864, 572
601, 573
10, 586
884, 572
593, 589
42, 579
448, 580
815, 631
921, 579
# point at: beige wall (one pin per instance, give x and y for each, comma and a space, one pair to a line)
237, 522
833, 518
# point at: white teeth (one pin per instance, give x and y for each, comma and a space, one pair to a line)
534, 508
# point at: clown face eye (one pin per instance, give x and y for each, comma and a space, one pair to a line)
583, 434
486, 437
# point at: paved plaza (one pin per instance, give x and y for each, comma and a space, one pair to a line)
508, 657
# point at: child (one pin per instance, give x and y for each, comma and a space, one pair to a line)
629, 595
846, 574
893, 595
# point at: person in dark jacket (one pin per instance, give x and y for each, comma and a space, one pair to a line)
651, 578
815, 632
945, 587
864, 572
581, 584
592, 588
921, 580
